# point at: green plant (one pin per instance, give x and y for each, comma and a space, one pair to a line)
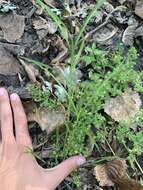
62, 27
75, 43
130, 135
44, 98
109, 74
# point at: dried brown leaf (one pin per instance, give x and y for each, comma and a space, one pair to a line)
102, 177
123, 107
12, 26
105, 33
139, 8
62, 51
48, 120
31, 71
9, 65
129, 34
139, 31
114, 173
43, 27
108, 173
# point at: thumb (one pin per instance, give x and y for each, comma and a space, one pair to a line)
60, 172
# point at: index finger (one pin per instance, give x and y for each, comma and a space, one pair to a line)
6, 120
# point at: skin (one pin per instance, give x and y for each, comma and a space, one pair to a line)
18, 168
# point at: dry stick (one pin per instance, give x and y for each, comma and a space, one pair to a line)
49, 4
100, 26
41, 144
96, 29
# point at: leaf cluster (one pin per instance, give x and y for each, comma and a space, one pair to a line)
42, 97
109, 74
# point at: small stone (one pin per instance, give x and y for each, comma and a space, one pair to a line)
139, 8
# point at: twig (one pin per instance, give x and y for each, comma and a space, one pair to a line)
94, 162
139, 166
41, 144
100, 26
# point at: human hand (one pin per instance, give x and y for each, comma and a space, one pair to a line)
18, 169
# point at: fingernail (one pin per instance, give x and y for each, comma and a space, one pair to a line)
2, 91
80, 160
13, 97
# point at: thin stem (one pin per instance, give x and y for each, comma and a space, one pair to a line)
110, 148
137, 163
103, 159
91, 15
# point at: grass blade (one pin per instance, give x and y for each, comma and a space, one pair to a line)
62, 27
89, 17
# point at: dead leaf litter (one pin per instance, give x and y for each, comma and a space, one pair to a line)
12, 26
123, 107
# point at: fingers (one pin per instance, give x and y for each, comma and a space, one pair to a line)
6, 120
56, 175
0, 135
20, 120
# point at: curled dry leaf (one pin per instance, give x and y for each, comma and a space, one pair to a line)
139, 31
31, 71
12, 26
108, 173
114, 173
128, 35
47, 120
9, 65
123, 107
63, 51
139, 8
101, 175
43, 27
105, 33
